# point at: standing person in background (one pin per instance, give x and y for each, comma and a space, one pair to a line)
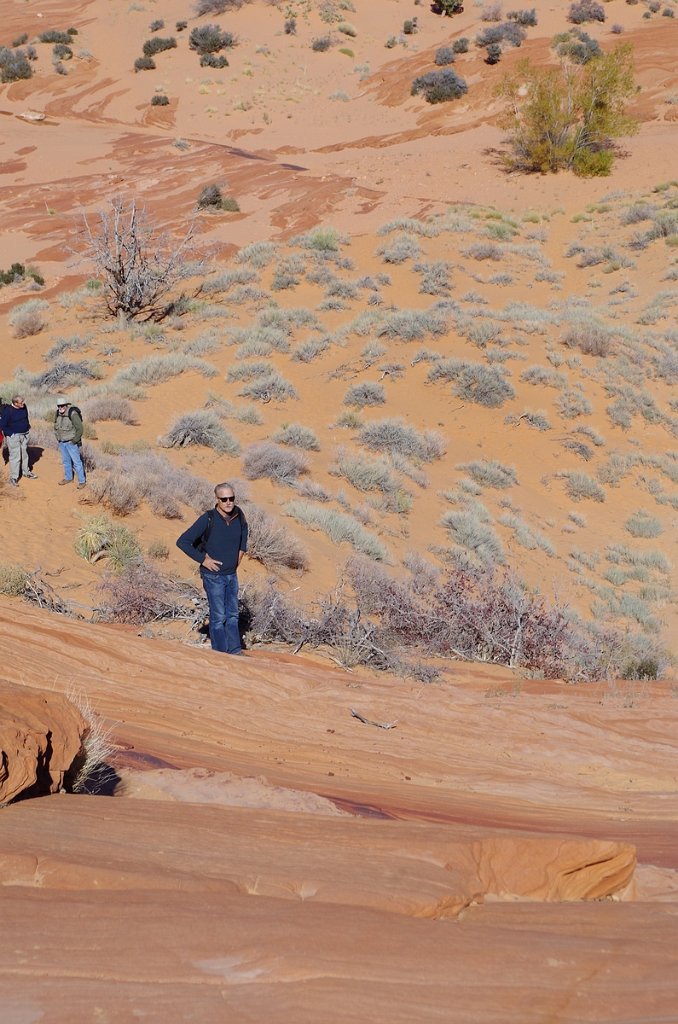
218, 540
68, 430
15, 425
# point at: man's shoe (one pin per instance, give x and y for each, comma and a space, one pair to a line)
31, 476
14, 483
62, 483
80, 486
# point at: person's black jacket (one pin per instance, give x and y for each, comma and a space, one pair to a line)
227, 538
14, 421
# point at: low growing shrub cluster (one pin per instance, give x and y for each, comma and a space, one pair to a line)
467, 613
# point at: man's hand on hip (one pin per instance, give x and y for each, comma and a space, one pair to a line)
211, 563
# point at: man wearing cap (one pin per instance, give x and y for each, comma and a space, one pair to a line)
68, 430
15, 425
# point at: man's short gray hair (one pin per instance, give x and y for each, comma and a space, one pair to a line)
225, 484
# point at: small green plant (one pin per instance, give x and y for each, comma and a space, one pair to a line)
13, 580
17, 273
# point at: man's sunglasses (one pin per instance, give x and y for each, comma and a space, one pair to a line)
230, 497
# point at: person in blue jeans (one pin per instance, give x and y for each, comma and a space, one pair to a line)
218, 541
68, 431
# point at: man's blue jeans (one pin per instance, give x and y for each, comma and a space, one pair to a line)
222, 598
72, 460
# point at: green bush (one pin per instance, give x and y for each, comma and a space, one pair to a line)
159, 100
568, 117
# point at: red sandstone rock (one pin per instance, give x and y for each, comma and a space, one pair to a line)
40, 736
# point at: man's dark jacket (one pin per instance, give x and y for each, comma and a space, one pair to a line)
227, 538
14, 421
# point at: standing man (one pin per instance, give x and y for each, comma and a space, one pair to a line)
218, 540
68, 430
15, 425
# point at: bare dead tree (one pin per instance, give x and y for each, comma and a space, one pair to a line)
140, 265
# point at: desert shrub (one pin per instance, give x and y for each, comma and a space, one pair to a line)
124, 482
347, 29
445, 55
490, 473
493, 53
156, 25
368, 475
321, 44
212, 60
99, 536
62, 374
464, 613
158, 549
339, 527
157, 45
475, 382
396, 437
144, 64
13, 580
439, 86
402, 247
460, 45
366, 393
28, 318
250, 370
271, 543
580, 487
573, 403
210, 39
138, 264
61, 51
212, 198
14, 65
577, 46
585, 10
309, 350
258, 254
491, 11
641, 524
201, 427
590, 338
413, 324
508, 32
54, 35
138, 593
18, 272
159, 100
435, 277
269, 388
158, 369
290, 26
527, 18
203, 7
267, 459
297, 436
568, 117
469, 532
448, 7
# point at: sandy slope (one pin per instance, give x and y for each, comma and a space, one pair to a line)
246, 870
